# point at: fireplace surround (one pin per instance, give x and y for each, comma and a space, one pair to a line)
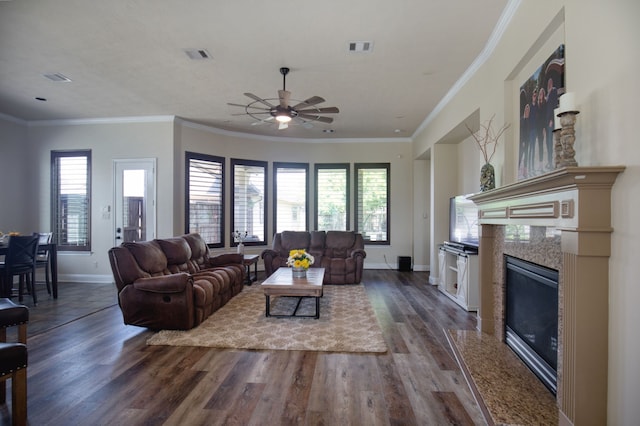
576, 201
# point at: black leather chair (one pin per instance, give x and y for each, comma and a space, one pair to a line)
20, 261
13, 359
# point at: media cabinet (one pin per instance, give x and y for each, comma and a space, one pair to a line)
459, 276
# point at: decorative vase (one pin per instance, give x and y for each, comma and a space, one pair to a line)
487, 177
299, 273
240, 248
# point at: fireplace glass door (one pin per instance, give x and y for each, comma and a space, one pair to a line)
532, 317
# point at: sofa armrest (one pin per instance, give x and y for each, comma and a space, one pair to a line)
225, 259
269, 253
358, 252
174, 283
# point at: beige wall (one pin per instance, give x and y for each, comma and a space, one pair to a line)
107, 141
602, 62
13, 158
205, 140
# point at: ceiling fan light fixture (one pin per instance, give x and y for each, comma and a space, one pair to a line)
283, 117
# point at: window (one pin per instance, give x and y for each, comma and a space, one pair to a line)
372, 202
332, 197
71, 199
290, 183
249, 203
205, 197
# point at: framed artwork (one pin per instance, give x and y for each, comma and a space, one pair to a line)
538, 98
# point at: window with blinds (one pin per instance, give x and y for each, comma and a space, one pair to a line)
372, 202
249, 201
71, 200
290, 196
332, 197
205, 197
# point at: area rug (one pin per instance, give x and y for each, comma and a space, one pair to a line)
347, 323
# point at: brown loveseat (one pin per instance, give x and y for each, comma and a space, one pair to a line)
173, 283
341, 253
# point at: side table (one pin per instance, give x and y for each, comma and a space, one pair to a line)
251, 259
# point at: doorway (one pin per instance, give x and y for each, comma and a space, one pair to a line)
135, 200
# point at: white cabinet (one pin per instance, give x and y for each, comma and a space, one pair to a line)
459, 277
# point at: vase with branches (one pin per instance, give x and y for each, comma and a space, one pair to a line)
487, 139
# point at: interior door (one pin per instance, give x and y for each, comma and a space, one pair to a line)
135, 200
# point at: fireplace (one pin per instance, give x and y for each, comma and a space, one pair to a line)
577, 202
531, 317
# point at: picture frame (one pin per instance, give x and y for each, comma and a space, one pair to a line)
539, 96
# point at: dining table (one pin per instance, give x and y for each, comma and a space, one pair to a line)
53, 263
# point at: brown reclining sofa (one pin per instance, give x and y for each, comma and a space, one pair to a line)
341, 253
173, 283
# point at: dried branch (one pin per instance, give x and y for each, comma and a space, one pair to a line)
488, 141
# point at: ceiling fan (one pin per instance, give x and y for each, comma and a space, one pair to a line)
265, 110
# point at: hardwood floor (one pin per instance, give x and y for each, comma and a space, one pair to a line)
92, 369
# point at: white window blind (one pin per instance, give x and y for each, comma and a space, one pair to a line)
71, 199
205, 197
290, 196
372, 202
332, 197
249, 200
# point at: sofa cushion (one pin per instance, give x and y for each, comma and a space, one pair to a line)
199, 252
177, 252
291, 240
338, 244
149, 256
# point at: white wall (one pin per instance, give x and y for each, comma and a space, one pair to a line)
602, 62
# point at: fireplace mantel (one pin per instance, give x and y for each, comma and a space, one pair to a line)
576, 201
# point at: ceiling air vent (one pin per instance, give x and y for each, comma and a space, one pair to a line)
197, 54
360, 46
57, 77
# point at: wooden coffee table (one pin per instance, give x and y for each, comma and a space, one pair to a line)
282, 283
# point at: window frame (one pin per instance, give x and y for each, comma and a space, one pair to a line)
333, 166
213, 159
289, 165
55, 197
356, 172
252, 163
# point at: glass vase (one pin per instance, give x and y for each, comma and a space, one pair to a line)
487, 177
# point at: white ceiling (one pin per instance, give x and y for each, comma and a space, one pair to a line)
126, 59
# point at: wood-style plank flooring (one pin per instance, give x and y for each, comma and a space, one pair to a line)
87, 368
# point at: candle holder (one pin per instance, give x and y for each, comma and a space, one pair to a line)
568, 138
557, 149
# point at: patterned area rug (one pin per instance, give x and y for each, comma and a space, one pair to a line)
347, 324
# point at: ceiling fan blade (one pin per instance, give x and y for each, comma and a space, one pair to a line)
262, 101
327, 110
316, 118
314, 100
284, 96
247, 106
252, 113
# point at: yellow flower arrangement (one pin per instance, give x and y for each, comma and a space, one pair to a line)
299, 258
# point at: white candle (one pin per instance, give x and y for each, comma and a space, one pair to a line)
568, 102
556, 119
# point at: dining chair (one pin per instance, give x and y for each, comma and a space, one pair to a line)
20, 261
42, 256
13, 355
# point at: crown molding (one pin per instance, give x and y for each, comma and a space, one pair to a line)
110, 120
